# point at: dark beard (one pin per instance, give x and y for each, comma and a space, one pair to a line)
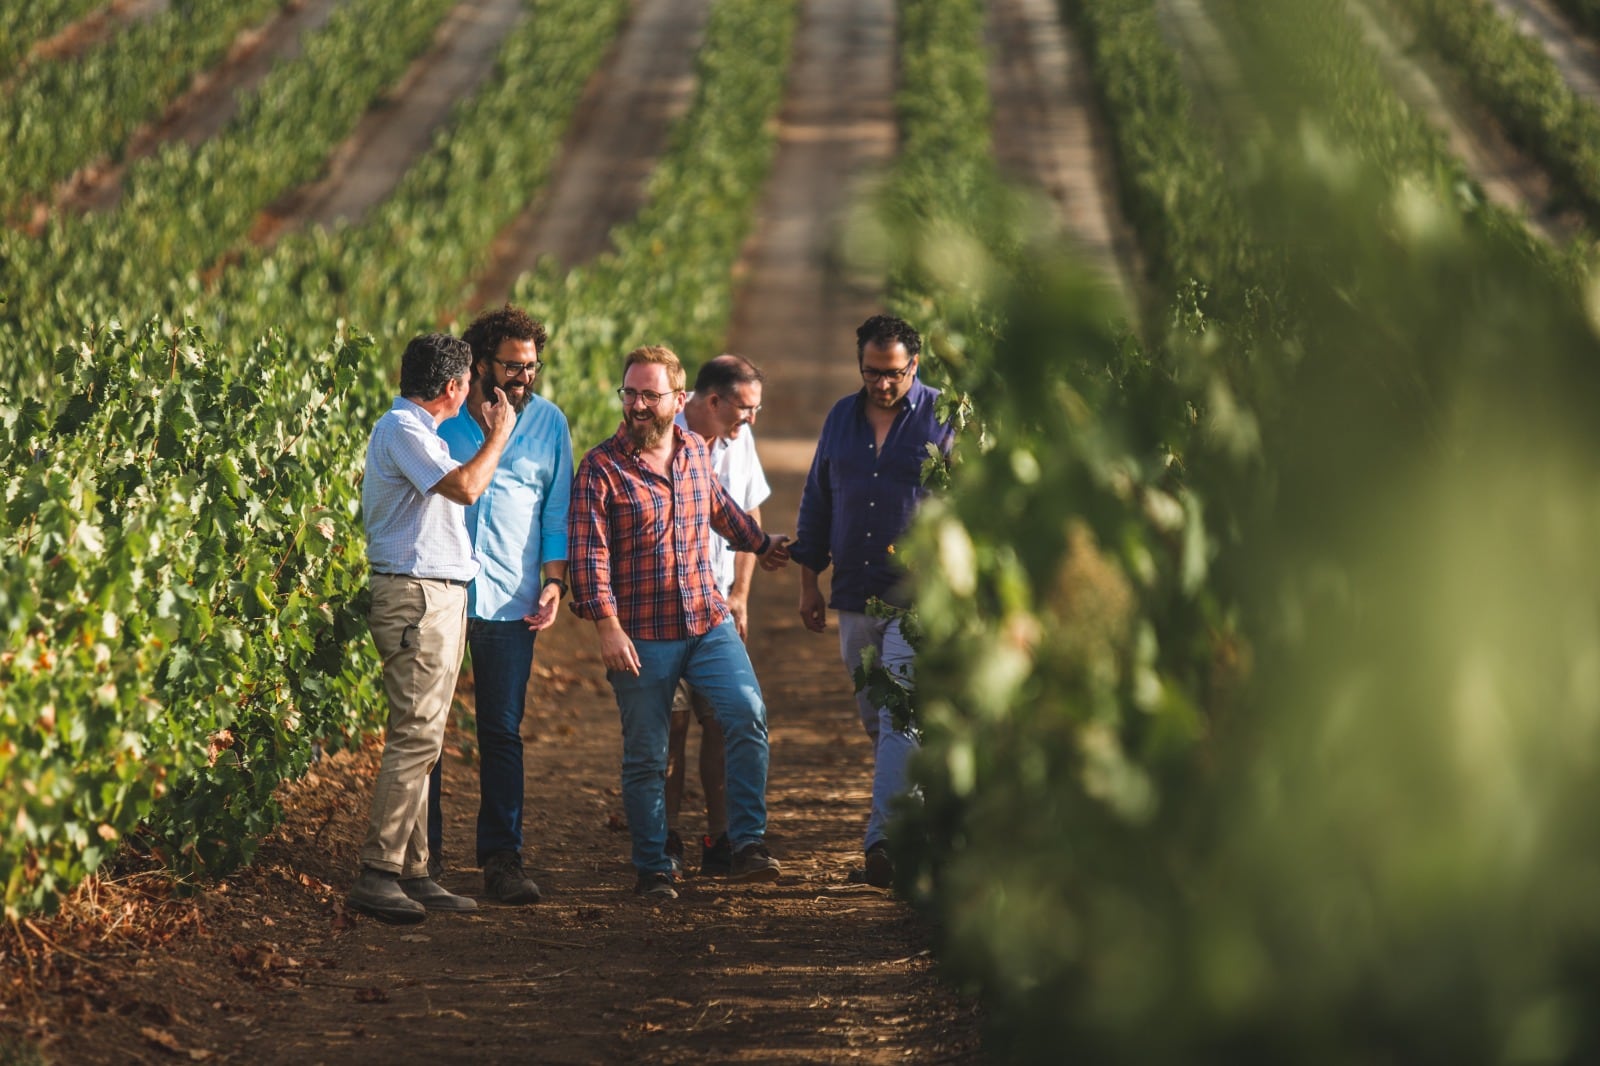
487, 388
645, 435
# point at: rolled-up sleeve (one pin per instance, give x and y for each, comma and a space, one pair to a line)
589, 534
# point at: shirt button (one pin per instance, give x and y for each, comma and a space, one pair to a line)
874, 473
872, 503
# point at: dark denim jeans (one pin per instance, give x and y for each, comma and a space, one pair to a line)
502, 660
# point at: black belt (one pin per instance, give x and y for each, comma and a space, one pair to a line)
457, 582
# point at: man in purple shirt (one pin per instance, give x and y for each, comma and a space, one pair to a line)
864, 486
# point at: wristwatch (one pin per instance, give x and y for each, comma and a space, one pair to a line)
556, 581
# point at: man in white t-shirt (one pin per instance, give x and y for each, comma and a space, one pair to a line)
724, 403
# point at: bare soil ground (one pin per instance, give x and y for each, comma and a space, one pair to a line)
619, 131
400, 128
1048, 133
267, 966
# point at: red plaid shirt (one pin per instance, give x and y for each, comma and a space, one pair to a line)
639, 540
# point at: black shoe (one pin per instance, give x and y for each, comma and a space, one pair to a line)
675, 850
378, 893
504, 881
426, 891
754, 863
716, 857
435, 865
879, 871
655, 884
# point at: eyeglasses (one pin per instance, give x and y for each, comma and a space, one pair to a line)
632, 396
516, 369
746, 412
874, 375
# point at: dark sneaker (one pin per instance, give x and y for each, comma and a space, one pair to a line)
504, 881
377, 893
426, 891
435, 865
675, 850
754, 863
716, 857
879, 871
656, 885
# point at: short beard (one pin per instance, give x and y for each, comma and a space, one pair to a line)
646, 435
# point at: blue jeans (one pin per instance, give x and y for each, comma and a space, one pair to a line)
717, 665
502, 660
892, 748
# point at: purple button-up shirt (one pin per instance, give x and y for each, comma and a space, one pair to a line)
857, 500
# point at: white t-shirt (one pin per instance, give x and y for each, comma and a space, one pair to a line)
738, 467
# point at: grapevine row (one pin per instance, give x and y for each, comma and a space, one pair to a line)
24, 25
105, 94
1516, 79
184, 209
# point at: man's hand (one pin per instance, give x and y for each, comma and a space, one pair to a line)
549, 601
499, 415
616, 648
813, 609
776, 557
739, 607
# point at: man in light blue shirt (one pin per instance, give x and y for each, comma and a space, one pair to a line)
518, 530
412, 496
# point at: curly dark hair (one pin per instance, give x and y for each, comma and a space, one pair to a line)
885, 331
491, 328
430, 362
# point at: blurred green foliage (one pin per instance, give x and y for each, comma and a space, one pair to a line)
1260, 672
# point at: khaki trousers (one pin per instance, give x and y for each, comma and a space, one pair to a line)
420, 629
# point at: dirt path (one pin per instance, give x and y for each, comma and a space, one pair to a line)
400, 127
1047, 132
1509, 176
208, 105
618, 132
809, 969
1577, 55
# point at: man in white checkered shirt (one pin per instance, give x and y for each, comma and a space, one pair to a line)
413, 500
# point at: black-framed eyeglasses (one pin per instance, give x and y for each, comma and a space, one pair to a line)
873, 374
631, 396
515, 369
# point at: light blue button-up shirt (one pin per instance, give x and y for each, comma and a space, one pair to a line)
410, 529
520, 522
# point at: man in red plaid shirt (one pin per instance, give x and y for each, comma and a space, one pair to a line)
643, 505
